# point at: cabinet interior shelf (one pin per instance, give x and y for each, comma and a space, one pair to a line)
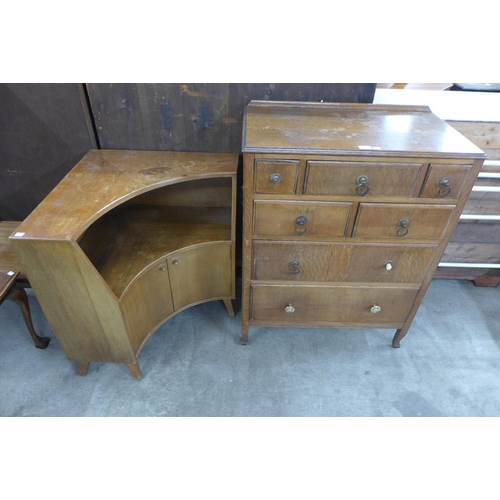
128, 239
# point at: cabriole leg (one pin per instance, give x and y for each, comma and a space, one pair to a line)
18, 295
398, 336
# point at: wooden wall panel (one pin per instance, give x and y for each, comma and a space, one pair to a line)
196, 116
45, 129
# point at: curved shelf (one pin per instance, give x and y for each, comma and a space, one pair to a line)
124, 242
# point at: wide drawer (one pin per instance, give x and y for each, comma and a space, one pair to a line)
310, 305
369, 179
364, 262
301, 219
405, 221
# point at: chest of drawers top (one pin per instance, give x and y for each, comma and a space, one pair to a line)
359, 129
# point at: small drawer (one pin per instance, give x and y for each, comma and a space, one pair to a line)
341, 262
319, 305
445, 181
276, 176
301, 219
405, 221
361, 179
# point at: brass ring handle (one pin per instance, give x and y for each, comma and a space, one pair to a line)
301, 227
362, 187
444, 187
294, 267
275, 178
289, 308
403, 227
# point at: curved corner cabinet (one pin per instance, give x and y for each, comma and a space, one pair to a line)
126, 240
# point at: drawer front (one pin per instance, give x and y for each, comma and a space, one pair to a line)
276, 176
301, 219
361, 178
341, 262
405, 221
363, 305
445, 181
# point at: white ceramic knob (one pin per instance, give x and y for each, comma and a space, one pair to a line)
375, 308
289, 308
388, 266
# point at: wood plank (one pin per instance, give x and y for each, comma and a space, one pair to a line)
480, 277
472, 253
195, 116
117, 116
161, 110
325, 92
478, 231
483, 134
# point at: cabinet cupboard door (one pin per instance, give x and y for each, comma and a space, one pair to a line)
200, 273
147, 302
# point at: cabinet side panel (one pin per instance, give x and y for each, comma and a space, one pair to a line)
80, 308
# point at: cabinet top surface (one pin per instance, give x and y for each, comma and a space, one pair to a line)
332, 128
104, 179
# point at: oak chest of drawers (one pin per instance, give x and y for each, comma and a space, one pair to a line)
347, 211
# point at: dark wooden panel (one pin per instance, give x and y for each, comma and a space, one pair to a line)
45, 130
196, 116
117, 115
476, 231
474, 253
327, 92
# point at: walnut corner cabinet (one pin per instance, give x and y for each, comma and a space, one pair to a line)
126, 240
347, 211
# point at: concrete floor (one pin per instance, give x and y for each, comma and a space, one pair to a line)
448, 365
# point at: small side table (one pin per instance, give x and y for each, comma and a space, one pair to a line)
10, 291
